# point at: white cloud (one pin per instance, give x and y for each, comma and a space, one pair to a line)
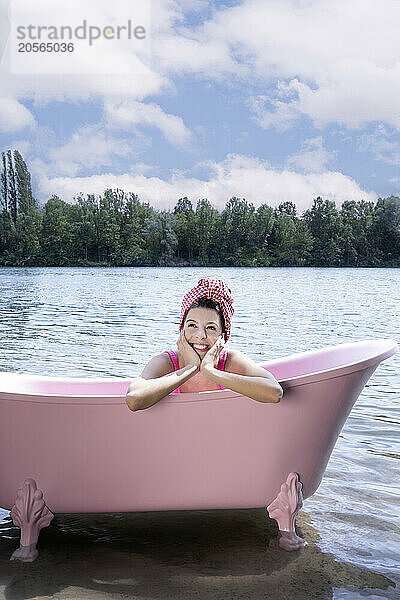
141, 168
88, 148
312, 157
186, 54
106, 68
381, 146
23, 146
129, 113
242, 176
358, 93
14, 116
282, 117
338, 59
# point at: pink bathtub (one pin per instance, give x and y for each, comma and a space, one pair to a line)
73, 446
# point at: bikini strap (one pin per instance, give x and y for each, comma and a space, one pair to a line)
174, 358
222, 360
221, 365
175, 361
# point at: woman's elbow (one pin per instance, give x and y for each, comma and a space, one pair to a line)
272, 395
276, 394
132, 401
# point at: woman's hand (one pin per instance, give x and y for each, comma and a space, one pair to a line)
187, 355
211, 358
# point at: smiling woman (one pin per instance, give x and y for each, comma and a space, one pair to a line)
201, 362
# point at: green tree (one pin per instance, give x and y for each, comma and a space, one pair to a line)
27, 251
357, 220
386, 230
136, 214
20, 219
161, 238
206, 234
325, 225
185, 228
55, 235
292, 240
286, 208
25, 199
238, 221
7, 239
83, 231
4, 183
12, 188
263, 242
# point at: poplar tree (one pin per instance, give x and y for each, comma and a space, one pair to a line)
12, 187
23, 181
3, 182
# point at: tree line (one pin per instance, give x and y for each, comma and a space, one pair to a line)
117, 229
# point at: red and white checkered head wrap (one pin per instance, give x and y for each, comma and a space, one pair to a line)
217, 291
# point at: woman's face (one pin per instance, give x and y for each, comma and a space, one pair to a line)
202, 328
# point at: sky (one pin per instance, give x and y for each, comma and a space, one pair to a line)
267, 100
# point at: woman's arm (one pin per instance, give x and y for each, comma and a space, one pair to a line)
156, 381
244, 377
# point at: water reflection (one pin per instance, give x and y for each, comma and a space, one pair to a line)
387, 454
180, 555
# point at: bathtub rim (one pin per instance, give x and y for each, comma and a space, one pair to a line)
388, 346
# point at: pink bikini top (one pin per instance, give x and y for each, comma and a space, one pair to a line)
221, 365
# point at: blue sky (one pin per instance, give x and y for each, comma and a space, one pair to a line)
266, 100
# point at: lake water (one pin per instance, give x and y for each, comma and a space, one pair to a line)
110, 321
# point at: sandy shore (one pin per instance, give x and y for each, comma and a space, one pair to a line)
179, 555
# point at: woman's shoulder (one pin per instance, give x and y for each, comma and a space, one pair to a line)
233, 357
233, 353
167, 357
158, 365
237, 361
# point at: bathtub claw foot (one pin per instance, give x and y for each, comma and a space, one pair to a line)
25, 553
31, 514
288, 540
284, 510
